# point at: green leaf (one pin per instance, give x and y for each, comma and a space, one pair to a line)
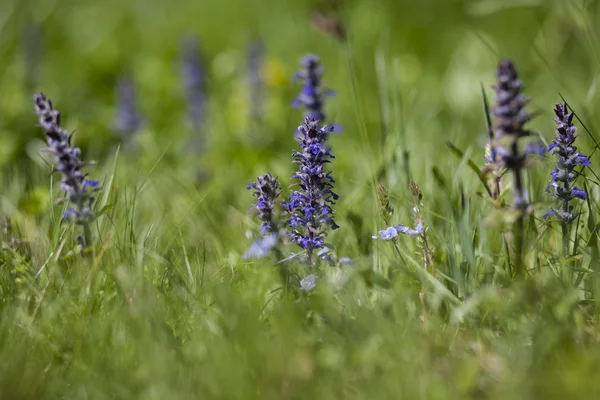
461, 155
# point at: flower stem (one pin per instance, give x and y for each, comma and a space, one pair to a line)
520, 204
87, 235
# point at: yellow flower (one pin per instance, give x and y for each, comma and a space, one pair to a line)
275, 74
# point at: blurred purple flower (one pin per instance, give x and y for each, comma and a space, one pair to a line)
261, 247
311, 96
128, 120
68, 163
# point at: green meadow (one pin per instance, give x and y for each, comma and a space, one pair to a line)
164, 305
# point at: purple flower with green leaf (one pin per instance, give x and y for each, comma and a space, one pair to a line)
565, 175
310, 207
78, 188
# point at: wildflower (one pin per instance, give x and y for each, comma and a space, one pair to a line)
567, 159
389, 233
127, 120
261, 247
311, 205
79, 190
308, 283
312, 95
564, 176
511, 117
393, 231
194, 81
266, 191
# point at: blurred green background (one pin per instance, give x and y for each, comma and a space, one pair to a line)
408, 77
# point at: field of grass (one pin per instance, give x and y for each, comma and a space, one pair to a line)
162, 304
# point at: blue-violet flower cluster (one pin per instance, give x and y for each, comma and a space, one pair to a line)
266, 191
311, 205
564, 176
79, 190
312, 95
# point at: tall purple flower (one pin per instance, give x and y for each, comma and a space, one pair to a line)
511, 117
310, 207
312, 95
562, 184
510, 120
194, 81
79, 190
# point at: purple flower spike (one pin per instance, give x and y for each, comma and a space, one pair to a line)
69, 165
311, 96
310, 207
564, 176
511, 116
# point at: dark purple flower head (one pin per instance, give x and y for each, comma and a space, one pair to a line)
567, 159
79, 190
311, 205
311, 96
